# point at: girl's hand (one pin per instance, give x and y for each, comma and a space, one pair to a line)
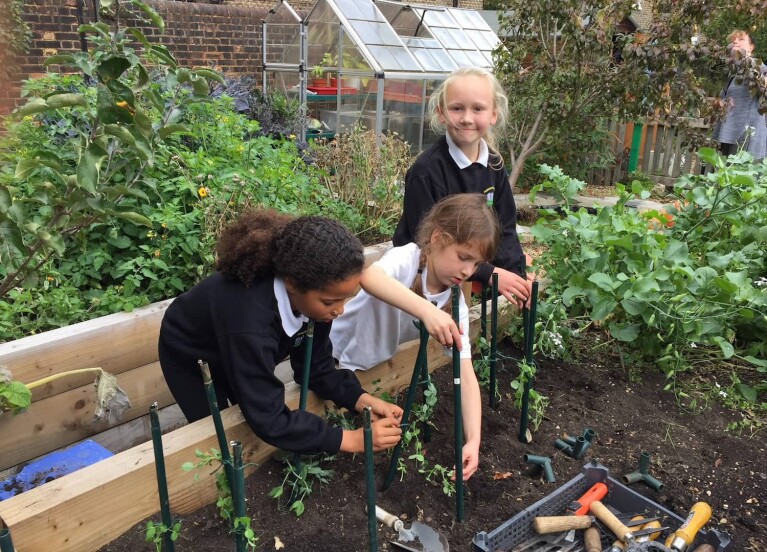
441, 326
470, 455
379, 407
514, 288
386, 434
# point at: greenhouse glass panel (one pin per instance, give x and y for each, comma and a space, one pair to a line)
374, 64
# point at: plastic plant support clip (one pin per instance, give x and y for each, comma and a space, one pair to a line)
544, 462
642, 475
6, 543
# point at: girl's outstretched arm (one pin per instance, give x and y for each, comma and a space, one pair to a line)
471, 407
438, 323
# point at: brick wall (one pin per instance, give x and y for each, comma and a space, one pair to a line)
225, 37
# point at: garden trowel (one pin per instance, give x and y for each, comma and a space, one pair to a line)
419, 538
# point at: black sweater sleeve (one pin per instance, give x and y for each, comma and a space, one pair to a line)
510, 255
422, 191
338, 385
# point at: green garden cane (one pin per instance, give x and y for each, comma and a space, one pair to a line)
6, 543
494, 341
529, 338
226, 458
238, 497
456, 292
420, 362
370, 481
162, 481
308, 343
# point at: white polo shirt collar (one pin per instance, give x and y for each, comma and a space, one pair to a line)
290, 322
460, 158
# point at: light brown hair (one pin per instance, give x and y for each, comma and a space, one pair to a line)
438, 104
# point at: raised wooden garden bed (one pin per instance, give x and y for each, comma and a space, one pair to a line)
87, 509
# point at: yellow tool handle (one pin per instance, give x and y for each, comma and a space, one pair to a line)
613, 523
555, 524
619, 545
591, 540
652, 536
699, 515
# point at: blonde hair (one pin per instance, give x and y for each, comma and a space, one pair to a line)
461, 218
438, 104
739, 33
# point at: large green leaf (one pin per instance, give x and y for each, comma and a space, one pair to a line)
166, 131
36, 105
59, 59
602, 281
65, 100
88, 168
11, 245
120, 132
209, 74
570, 294
151, 13
727, 349
604, 307
135, 218
112, 68
624, 332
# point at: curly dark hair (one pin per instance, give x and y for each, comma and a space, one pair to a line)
312, 251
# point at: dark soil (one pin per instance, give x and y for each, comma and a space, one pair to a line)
692, 453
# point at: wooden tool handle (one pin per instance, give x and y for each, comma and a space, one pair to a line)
704, 548
608, 518
556, 524
388, 519
591, 540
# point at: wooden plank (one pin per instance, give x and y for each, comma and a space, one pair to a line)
116, 343
649, 130
82, 511
66, 418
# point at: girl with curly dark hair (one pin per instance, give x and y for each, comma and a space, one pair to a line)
274, 273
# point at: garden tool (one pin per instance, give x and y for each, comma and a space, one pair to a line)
419, 538
581, 506
620, 546
548, 543
624, 533
682, 538
591, 540
704, 548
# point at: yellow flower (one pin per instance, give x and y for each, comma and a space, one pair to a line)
164, 225
202, 192
49, 278
292, 136
150, 234
157, 253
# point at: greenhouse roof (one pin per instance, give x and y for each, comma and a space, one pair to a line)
395, 37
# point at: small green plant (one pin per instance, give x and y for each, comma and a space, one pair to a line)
155, 533
562, 187
224, 501
537, 402
300, 483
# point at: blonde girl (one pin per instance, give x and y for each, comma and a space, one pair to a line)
466, 108
456, 236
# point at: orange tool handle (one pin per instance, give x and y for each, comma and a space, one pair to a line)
581, 506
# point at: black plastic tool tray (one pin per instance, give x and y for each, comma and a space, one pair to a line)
520, 528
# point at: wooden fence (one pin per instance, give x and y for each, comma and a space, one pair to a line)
661, 156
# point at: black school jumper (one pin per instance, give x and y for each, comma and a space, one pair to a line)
238, 332
435, 175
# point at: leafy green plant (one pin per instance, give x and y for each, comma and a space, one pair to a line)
367, 181
224, 501
681, 288
562, 187
58, 190
537, 402
299, 483
155, 533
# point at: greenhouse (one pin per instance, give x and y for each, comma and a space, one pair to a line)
374, 64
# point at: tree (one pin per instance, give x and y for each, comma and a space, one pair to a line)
568, 66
